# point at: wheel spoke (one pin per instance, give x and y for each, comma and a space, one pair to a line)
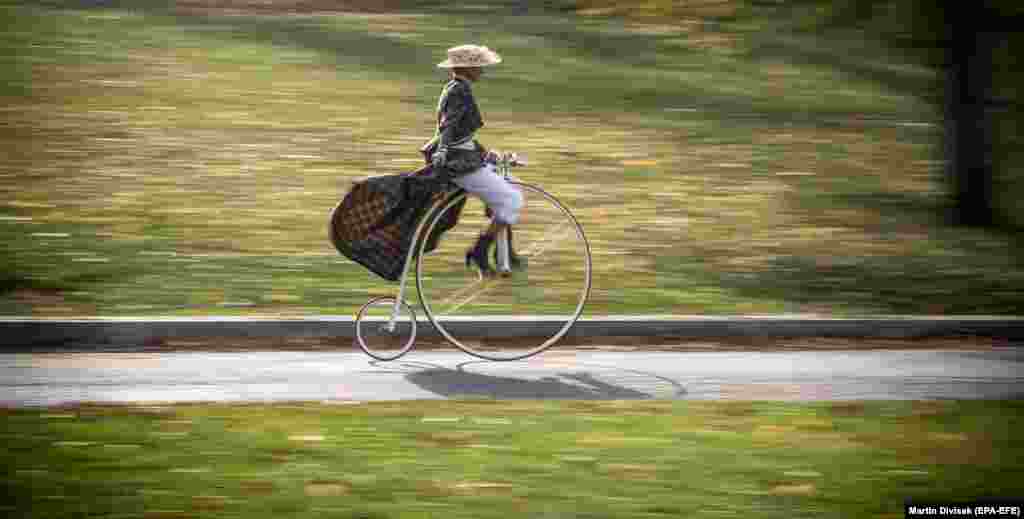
484, 286
447, 304
555, 293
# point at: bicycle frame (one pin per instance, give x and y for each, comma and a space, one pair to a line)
504, 167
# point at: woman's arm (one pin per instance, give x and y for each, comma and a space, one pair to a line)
455, 109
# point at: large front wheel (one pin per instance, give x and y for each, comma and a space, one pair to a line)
546, 296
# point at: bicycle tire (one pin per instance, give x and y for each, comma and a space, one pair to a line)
531, 192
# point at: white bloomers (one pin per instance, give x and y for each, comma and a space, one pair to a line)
502, 197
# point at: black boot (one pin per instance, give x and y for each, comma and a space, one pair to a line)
478, 254
515, 261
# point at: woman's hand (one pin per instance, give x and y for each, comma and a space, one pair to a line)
440, 158
491, 157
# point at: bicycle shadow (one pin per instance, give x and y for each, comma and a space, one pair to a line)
577, 384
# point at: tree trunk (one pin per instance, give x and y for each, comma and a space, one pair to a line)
969, 138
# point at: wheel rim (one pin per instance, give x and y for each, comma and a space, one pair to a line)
373, 337
554, 287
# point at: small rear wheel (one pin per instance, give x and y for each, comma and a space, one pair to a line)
382, 337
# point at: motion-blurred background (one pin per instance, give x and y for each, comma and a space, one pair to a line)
725, 156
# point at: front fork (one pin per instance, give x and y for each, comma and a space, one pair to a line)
505, 171
502, 245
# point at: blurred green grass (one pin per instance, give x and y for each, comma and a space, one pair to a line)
164, 161
481, 459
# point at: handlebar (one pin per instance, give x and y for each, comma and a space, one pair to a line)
507, 160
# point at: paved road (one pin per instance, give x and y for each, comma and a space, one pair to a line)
49, 379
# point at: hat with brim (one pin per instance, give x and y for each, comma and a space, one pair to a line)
467, 56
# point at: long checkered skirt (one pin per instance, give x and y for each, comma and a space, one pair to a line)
375, 222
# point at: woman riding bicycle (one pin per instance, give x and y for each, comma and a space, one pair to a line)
458, 156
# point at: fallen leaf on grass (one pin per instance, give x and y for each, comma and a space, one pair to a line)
802, 474
631, 471
167, 514
209, 503
477, 487
449, 439
323, 488
257, 487
306, 438
805, 489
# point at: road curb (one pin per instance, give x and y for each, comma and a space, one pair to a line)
20, 334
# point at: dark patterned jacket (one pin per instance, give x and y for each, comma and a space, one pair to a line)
458, 117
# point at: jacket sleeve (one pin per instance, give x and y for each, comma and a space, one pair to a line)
454, 111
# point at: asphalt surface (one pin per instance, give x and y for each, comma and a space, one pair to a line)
34, 379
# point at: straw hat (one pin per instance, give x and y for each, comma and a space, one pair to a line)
465, 56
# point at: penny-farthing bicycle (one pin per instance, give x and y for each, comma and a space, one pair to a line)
547, 293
